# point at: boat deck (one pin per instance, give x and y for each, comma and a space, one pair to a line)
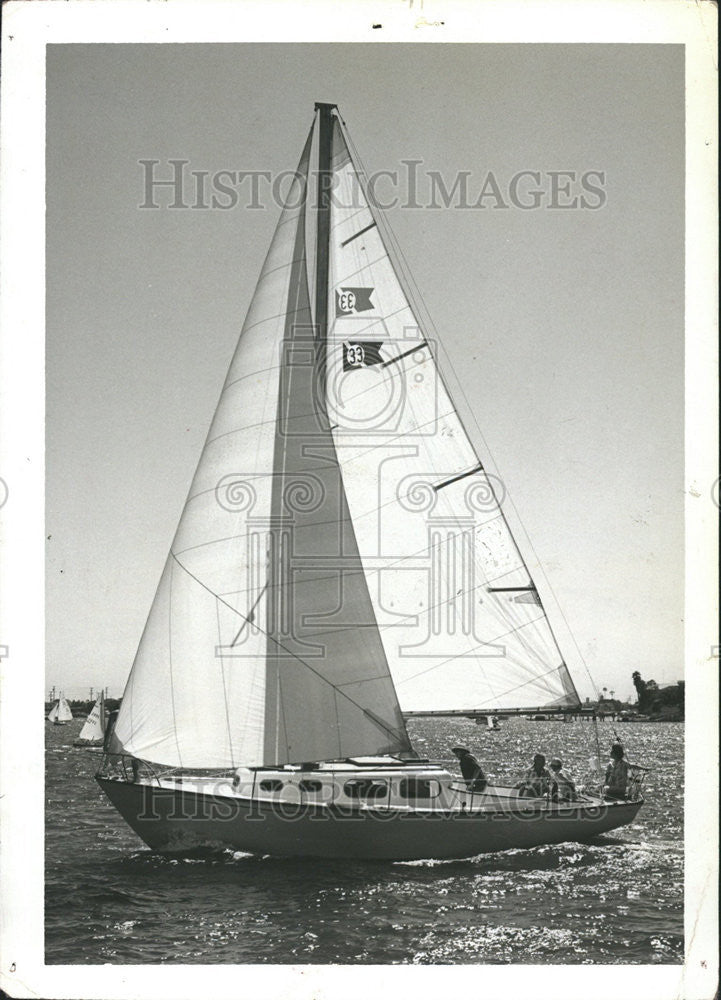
358, 785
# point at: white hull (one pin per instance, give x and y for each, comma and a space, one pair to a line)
179, 814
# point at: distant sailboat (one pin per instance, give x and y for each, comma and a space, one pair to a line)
491, 722
60, 713
93, 732
311, 576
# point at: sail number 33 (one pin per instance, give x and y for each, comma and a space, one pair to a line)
354, 355
346, 301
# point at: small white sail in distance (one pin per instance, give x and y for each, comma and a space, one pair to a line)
60, 712
94, 727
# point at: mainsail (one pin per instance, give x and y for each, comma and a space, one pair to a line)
460, 618
341, 538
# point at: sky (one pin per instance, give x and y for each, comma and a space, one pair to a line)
562, 329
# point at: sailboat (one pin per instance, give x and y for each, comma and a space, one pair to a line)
60, 713
491, 722
341, 542
93, 732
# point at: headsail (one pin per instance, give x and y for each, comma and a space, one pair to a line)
460, 617
236, 663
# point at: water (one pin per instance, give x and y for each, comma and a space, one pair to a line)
619, 900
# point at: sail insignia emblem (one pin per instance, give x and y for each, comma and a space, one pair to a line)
361, 354
350, 301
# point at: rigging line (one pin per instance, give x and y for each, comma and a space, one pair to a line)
260, 371
299, 307
277, 642
363, 680
376, 570
279, 267
354, 215
259, 322
251, 616
396, 437
553, 670
465, 656
409, 287
260, 423
211, 541
519, 686
355, 396
170, 664
225, 688
470, 610
380, 367
374, 322
435, 607
372, 511
358, 272
598, 751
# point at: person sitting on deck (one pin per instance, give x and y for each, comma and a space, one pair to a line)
536, 781
563, 788
616, 774
470, 769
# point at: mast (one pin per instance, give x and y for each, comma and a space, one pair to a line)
322, 250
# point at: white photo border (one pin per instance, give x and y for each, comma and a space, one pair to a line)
27, 28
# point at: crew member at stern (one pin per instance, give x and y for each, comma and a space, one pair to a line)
470, 769
616, 774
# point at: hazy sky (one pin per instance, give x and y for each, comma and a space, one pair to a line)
564, 326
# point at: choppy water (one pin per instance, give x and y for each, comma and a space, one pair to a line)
619, 900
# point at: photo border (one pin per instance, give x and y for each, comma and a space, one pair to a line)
27, 28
